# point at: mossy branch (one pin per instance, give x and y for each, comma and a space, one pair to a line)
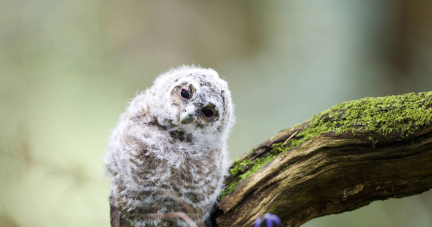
342, 159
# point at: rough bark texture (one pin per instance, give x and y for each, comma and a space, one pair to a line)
332, 172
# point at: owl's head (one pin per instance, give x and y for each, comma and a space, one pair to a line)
193, 99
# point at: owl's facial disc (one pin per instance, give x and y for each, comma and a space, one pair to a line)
193, 106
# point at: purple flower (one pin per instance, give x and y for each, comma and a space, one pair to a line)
270, 219
258, 222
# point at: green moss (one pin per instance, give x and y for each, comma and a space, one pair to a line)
403, 114
374, 142
229, 188
256, 165
239, 166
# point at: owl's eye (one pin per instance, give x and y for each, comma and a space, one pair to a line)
207, 112
185, 94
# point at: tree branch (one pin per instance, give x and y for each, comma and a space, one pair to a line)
342, 159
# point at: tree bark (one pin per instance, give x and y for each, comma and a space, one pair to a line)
332, 172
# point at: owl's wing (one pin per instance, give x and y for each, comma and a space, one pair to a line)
114, 213
116, 216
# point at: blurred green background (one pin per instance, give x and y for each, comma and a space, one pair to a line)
68, 69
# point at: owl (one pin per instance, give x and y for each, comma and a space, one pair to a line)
168, 151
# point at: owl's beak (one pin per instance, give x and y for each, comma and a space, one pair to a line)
188, 115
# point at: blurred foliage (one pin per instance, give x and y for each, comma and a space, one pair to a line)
68, 68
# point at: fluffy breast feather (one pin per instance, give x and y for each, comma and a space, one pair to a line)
146, 158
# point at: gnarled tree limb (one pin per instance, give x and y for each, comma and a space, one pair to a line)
338, 170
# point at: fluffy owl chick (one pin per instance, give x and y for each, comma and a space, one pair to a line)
170, 141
